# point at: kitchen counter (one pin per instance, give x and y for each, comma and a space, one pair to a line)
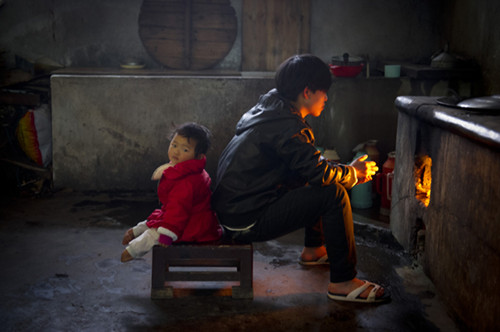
425, 72
142, 72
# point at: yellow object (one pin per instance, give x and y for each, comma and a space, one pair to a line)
28, 138
138, 66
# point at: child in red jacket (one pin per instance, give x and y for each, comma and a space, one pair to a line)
184, 193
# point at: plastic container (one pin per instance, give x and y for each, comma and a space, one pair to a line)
369, 148
346, 71
346, 66
391, 71
361, 194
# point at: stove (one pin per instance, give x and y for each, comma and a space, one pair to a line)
445, 205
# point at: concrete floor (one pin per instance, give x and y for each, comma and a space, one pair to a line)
61, 272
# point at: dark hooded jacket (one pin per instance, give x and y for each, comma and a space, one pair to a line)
272, 152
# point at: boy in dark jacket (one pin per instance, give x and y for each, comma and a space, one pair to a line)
184, 192
271, 180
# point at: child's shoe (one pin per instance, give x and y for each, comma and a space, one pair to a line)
129, 236
126, 256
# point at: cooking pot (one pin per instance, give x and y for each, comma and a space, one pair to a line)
346, 66
443, 59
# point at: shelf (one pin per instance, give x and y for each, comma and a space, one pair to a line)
430, 73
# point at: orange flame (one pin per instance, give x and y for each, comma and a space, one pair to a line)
423, 179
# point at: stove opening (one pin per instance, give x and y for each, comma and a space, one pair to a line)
423, 179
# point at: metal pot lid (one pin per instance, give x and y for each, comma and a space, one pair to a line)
486, 103
347, 60
472, 104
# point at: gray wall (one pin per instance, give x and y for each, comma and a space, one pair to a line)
471, 28
81, 33
100, 33
384, 30
111, 131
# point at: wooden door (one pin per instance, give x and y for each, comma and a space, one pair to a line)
272, 31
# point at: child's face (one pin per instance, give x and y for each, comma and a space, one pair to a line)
181, 149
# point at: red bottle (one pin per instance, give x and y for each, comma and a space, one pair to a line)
384, 184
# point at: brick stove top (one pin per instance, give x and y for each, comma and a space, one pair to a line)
480, 125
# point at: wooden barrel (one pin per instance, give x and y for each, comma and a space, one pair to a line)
187, 34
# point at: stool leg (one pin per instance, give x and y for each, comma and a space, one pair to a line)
245, 289
158, 288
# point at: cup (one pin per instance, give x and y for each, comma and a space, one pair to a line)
392, 70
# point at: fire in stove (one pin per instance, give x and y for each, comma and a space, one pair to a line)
423, 179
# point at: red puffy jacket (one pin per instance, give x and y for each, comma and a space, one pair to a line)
184, 193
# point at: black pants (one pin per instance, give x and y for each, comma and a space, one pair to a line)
324, 212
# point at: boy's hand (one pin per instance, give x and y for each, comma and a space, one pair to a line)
364, 169
159, 171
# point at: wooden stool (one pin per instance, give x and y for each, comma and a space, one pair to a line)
197, 255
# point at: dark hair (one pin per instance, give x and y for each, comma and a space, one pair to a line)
197, 132
301, 71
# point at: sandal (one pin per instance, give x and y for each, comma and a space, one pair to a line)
323, 260
354, 295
